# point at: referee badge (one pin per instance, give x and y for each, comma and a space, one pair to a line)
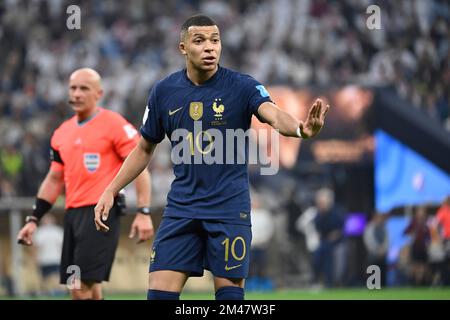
196, 110
91, 161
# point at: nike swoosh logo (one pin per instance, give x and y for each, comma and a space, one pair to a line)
174, 111
227, 268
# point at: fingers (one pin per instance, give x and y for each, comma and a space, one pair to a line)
143, 226
132, 231
318, 109
24, 241
101, 214
25, 236
325, 111
145, 235
312, 110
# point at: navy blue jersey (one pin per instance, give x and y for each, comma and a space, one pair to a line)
211, 181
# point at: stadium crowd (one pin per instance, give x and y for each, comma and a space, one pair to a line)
296, 43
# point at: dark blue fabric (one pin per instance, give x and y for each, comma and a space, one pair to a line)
162, 295
184, 112
230, 293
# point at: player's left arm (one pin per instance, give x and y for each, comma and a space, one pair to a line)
142, 224
290, 126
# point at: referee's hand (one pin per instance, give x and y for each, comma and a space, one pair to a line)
142, 226
101, 211
25, 236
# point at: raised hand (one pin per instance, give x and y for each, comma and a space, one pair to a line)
315, 120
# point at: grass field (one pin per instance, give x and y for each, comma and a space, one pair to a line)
324, 294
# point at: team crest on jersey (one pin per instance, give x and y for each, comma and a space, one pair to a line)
196, 110
91, 161
152, 255
218, 109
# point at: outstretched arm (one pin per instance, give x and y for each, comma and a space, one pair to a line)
133, 165
290, 126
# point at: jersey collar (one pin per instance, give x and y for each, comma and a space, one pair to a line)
82, 123
209, 82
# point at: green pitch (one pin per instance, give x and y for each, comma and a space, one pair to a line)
335, 294
324, 294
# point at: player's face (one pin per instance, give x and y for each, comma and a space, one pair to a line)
202, 47
84, 92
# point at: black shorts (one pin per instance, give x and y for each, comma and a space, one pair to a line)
86, 248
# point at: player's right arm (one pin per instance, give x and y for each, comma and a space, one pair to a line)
133, 165
49, 191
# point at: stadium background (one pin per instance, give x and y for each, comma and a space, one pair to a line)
389, 90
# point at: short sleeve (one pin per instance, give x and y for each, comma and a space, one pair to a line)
256, 93
152, 128
56, 162
125, 136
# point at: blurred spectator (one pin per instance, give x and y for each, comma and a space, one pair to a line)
48, 241
436, 255
443, 221
328, 45
262, 232
418, 230
328, 223
377, 244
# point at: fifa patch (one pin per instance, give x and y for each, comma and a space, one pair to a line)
264, 93
91, 161
130, 131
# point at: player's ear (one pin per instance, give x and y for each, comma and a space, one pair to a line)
182, 48
100, 93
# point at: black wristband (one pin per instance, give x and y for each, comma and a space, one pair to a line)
41, 207
144, 210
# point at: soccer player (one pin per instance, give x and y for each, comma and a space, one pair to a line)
86, 153
206, 223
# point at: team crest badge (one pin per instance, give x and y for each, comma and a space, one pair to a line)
196, 110
152, 255
91, 161
218, 108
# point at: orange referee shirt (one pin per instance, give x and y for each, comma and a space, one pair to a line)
443, 216
91, 154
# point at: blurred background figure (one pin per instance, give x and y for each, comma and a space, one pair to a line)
376, 241
418, 230
48, 241
328, 223
262, 232
436, 255
305, 225
443, 224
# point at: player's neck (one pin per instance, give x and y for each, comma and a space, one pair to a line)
199, 77
85, 116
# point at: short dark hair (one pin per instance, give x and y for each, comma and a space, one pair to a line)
197, 20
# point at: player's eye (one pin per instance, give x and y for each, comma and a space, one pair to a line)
198, 41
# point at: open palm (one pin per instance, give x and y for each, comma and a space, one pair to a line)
315, 120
